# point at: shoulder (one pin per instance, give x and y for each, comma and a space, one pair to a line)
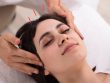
105, 78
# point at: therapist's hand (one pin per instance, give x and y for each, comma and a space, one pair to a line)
15, 57
57, 7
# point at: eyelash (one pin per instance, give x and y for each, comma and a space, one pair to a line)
65, 31
49, 42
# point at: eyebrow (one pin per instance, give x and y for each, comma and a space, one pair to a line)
47, 33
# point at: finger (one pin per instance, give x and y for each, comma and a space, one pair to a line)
25, 68
57, 10
60, 11
26, 54
73, 26
6, 46
11, 38
46, 72
4, 49
69, 15
17, 59
78, 32
70, 18
3, 43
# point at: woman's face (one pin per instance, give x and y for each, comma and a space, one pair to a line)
59, 47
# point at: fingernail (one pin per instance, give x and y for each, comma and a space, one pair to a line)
17, 41
40, 64
29, 73
82, 38
36, 72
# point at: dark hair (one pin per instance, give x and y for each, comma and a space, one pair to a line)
26, 33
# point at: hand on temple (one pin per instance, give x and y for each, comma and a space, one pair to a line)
57, 7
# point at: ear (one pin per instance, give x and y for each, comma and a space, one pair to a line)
46, 72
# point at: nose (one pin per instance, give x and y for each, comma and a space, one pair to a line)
62, 39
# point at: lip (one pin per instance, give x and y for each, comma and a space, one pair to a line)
67, 48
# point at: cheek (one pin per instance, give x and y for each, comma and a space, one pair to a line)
84, 49
74, 35
49, 55
81, 54
52, 59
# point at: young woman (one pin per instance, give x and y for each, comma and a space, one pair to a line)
59, 48
6, 15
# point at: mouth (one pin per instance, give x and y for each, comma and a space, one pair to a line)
68, 48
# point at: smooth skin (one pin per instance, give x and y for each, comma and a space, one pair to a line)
68, 66
15, 57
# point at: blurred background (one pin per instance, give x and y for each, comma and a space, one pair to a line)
102, 6
25, 14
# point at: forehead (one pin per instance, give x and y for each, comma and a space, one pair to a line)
46, 25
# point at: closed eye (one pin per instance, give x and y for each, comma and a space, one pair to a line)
65, 31
48, 43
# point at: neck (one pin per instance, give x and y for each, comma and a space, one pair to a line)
83, 75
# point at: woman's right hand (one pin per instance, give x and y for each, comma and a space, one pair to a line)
16, 57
